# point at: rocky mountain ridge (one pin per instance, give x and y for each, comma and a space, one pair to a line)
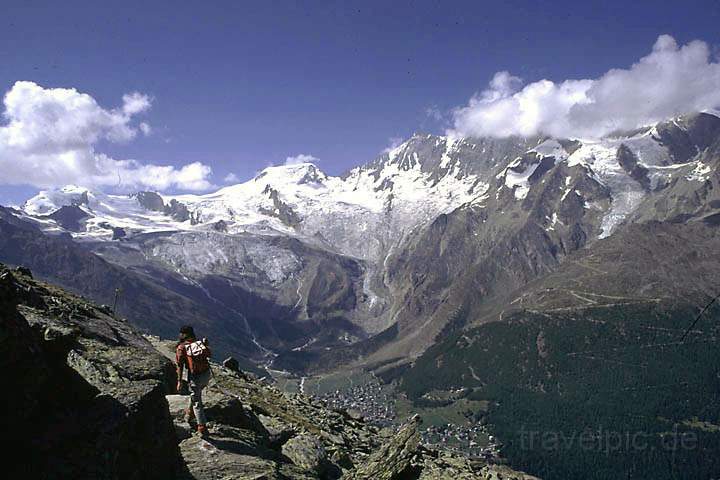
542, 207
94, 402
386, 253
622, 337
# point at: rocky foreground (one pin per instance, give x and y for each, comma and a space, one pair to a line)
89, 397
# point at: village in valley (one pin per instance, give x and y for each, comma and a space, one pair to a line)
377, 404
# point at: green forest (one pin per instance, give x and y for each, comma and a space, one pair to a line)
591, 393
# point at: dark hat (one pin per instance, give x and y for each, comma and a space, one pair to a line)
187, 330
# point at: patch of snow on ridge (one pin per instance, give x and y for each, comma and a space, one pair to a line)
450, 146
519, 181
553, 221
700, 173
567, 187
551, 148
48, 201
626, 192
393, 153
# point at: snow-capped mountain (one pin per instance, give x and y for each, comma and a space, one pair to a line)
559, 197
389, 242
357, 214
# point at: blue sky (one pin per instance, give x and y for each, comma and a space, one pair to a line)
240, 85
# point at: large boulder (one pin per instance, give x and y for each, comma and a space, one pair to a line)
205, 460
279, 431
88, 392
231, 363
223, 407
403, 457
238, 454
395, 459
306, 451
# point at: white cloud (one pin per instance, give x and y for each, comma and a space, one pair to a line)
301, 158
145, 129
136, 102
231, 178
670, 81
393, 143
434, 113
50, 135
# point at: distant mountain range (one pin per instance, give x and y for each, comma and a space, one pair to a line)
553, 280
294, 265
297, 261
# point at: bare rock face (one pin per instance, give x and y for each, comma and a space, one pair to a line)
296, 437
151, 201
404, 458
397, 458
91, 401
23, 356
89, 391
305, 451
69, 217
234, 453
177, 211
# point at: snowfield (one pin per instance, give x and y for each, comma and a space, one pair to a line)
374, 207
358, 214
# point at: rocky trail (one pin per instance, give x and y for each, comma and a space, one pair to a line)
94, 400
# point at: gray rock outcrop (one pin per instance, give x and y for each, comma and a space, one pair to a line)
92, 399
87, 391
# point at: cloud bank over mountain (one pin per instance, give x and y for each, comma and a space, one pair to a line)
670, 81
301, 158
50, 137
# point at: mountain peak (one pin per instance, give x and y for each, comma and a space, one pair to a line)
299, 173
49, 201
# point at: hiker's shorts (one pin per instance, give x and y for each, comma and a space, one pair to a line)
197, 382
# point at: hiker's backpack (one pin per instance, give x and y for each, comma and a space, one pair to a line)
197, 354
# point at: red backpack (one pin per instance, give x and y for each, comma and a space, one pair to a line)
197, 354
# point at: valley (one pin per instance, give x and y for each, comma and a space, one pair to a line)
493, 286
407, 240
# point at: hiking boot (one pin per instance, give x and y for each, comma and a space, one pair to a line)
202, 430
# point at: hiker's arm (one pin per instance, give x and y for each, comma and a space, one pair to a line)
180, 360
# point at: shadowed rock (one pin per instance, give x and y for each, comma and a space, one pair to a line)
395, 459
231, 363
89, 391
305, 451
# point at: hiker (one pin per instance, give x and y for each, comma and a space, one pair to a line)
193, 354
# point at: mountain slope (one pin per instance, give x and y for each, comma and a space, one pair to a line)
294, 253
89, 390
543, 206
396, 248
596, 346
60, 259
90, 403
